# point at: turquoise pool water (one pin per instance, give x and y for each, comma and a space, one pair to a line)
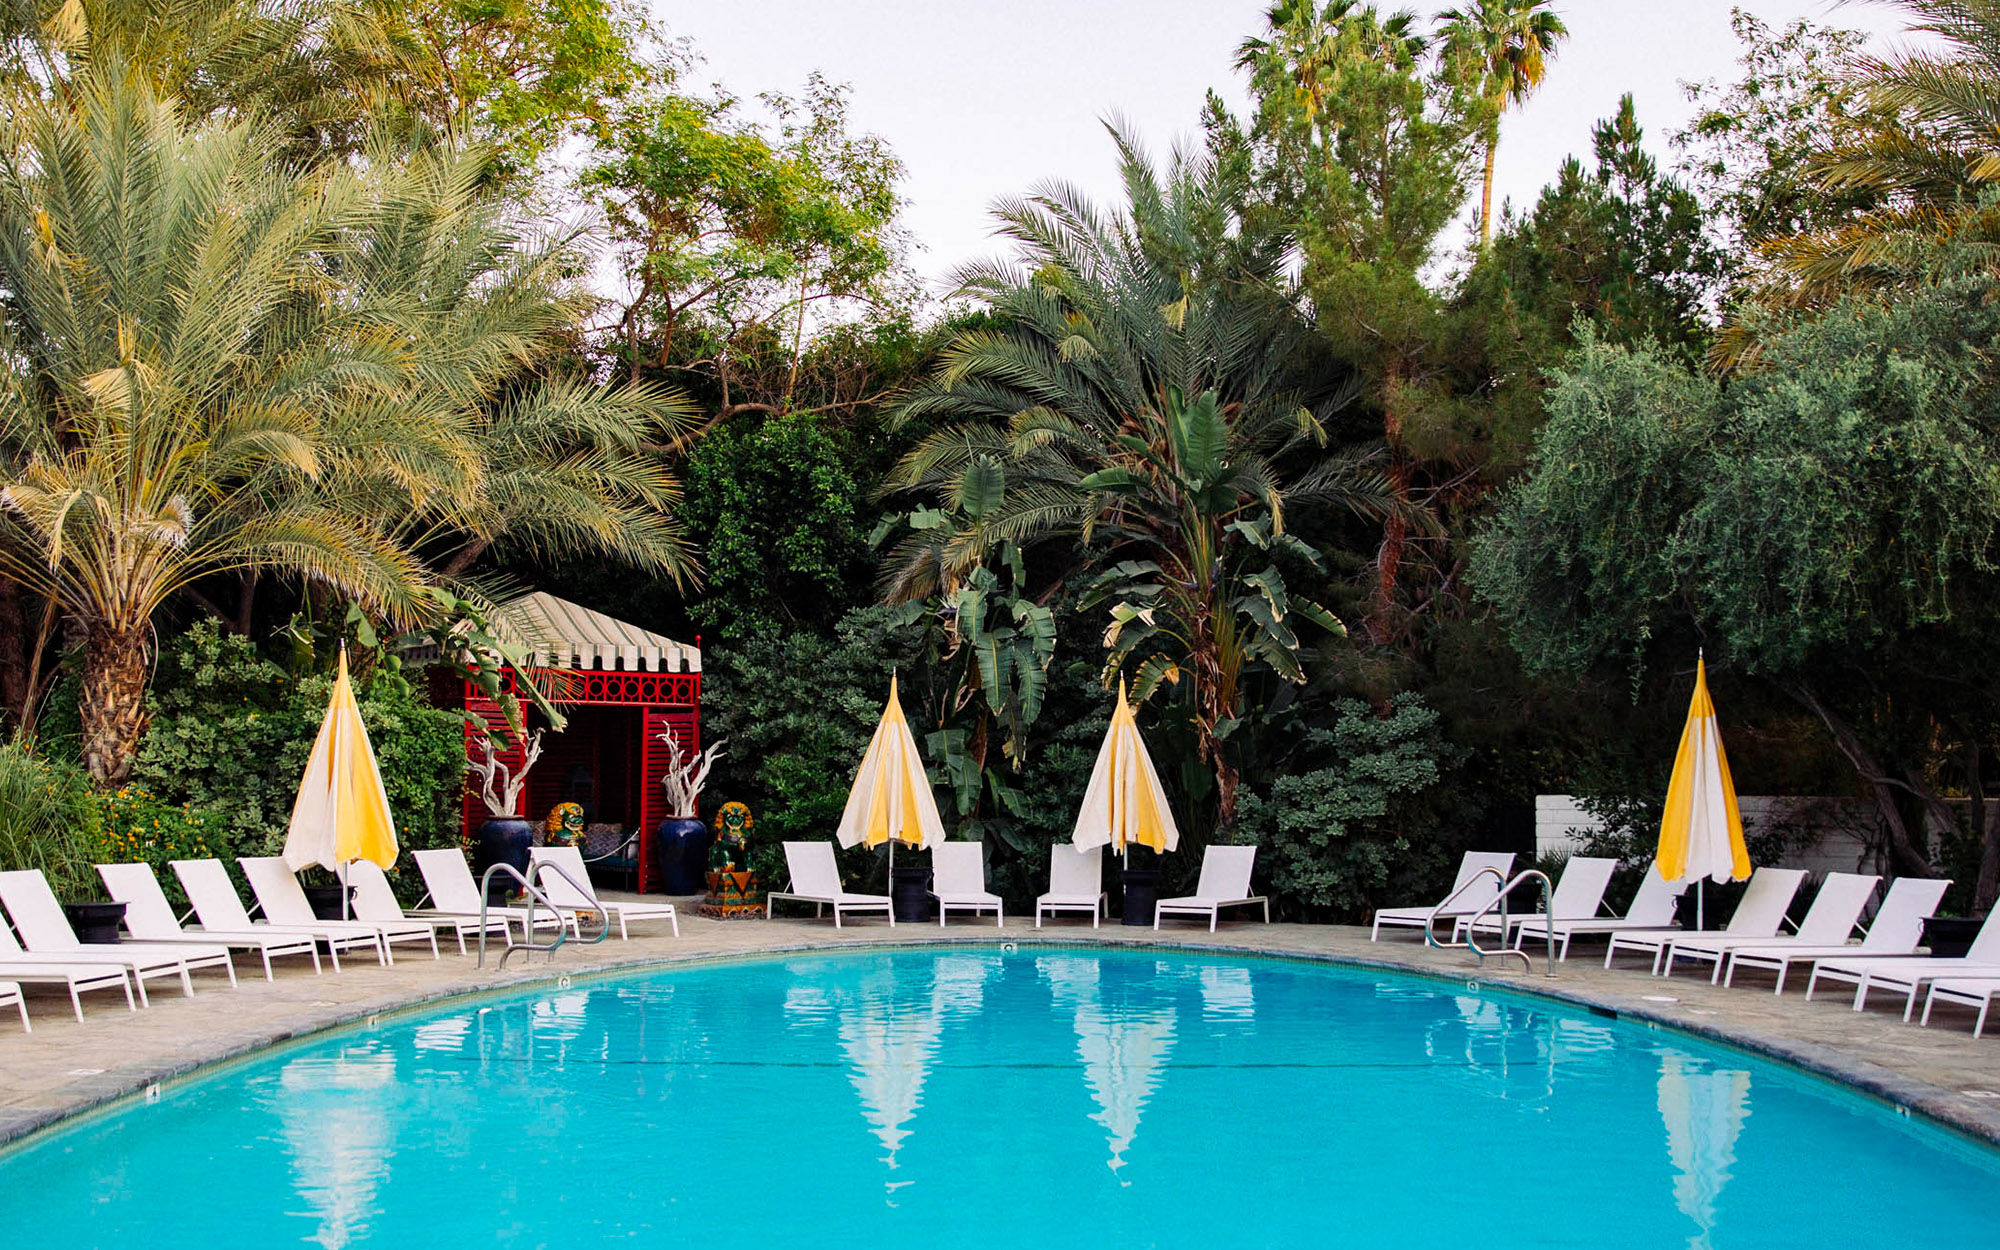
1038, 1098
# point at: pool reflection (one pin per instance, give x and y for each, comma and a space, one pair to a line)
1704, 1110
337, 1135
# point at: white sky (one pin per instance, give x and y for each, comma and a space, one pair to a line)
987, 99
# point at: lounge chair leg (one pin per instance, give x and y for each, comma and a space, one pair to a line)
22, 1007
1910, 1004
1213, 913
1929, 999
265, 951
999, 917
675, 920
76, 1001
1979, 1025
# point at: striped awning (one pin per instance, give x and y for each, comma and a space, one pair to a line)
567, 635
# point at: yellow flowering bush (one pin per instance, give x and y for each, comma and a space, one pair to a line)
136, 827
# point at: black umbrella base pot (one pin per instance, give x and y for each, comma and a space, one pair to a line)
1142, 894
909, 893
95, 923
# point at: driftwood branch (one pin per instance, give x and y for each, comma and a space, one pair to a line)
685, 775
499, 786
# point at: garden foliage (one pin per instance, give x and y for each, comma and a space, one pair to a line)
232, 731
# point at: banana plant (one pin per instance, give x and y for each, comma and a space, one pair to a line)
998, 640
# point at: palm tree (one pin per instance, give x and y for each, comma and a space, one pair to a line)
1147, 397
220, 364
1507, 44
1930, 169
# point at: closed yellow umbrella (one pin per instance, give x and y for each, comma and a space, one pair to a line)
1701, 832
891, 798
342, 812
1125, 802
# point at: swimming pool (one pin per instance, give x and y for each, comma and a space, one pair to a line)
970, 1097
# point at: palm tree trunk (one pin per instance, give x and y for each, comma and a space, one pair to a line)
112, 701
1396, 530
14, 633
1486, 193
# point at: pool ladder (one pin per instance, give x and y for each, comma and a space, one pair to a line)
1499, 903
534, 894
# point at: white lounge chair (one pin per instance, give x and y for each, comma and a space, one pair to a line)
10, 996
1897, 932
1578, 894
1076, 883
1225, 882
454, 892
815, 879
375, 902
284, 902
1907, 976
1463, 906
46, 932
216, 904
1971, 991
570, 889
17, 965
1652, 908
1759, 914
958, 879
149, 917
1835, 910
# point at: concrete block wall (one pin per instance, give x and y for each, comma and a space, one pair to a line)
1833, 831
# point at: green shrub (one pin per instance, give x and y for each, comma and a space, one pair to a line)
1342, 837
48, 820
231, 733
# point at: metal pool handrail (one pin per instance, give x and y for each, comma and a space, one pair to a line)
534, 894
1500, 902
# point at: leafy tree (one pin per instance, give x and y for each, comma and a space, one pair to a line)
1141, 400
1827, 523
1509, 44
1748, 151
519, 75
723, 224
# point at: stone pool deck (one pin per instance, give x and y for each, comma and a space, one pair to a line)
64, 1067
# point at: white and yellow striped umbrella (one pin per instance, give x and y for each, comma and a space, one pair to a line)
342, 812
1125, 802
892, 796
1701, 833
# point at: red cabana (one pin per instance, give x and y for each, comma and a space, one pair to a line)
620, 687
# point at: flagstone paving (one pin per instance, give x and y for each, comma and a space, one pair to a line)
64, 1067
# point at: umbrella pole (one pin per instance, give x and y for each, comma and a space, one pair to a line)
342, 876
1699, 923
